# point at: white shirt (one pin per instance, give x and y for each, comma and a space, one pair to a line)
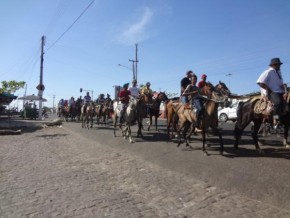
273, 79
134, 91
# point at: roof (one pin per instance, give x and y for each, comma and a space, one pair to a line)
6, 98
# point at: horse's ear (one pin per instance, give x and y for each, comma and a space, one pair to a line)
220, 82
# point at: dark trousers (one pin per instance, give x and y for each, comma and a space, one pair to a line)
277, 100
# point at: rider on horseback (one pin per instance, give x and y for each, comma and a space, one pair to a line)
202, 82
271, 82
197, 101
134, 89
87, 100
101, 99
147, 91
124, 97
184, 83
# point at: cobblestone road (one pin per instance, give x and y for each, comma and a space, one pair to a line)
54, 172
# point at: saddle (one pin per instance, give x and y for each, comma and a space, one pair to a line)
263, 107
266, 107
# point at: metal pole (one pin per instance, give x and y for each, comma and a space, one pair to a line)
41, 86
136, 59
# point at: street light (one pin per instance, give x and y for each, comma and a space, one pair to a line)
229, 75
120, 65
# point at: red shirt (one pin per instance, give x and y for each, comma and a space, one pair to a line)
201, 84
124, 94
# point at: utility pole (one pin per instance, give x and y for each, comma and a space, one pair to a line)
53, 109
40, 86
135, 63
24, 96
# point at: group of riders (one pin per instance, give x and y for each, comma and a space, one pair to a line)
273, 90
68, 106
72, 108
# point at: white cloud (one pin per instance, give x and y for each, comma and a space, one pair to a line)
136, 32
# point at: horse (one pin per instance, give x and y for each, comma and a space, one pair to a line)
72, 112
154, 110
171, 117
101, 111
170, 110
64, 112
78, 109
129, 117
246, 114
144, 101
87, 115
212, 97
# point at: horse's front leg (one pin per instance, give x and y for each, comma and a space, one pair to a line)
220, 138
203, 143
156, 117
139, 132
186, 136
257, 125
178, 133
150, 122
129, 134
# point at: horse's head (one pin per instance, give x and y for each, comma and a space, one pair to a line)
162, 96
132, 102
222, 88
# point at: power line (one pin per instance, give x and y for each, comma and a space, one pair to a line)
71, 25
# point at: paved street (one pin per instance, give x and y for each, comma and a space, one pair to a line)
72, 172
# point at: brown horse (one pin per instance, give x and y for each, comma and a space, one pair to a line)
187, 117
170, 107
64, 112
247, 114
87, 115
101, 112
171, 117
144, 101
154, 110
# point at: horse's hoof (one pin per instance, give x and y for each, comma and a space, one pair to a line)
205, 153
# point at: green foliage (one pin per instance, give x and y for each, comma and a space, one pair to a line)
11, 86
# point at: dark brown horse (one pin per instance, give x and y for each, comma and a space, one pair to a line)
247, 114
187, 117
154, 110
144, 101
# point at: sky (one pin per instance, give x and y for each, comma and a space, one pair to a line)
86, 40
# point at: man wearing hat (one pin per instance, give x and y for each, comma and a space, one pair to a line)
272, 85
202, 82
124, 97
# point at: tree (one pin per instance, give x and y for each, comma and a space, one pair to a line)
11, 86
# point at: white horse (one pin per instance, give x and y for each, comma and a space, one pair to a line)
129, 117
